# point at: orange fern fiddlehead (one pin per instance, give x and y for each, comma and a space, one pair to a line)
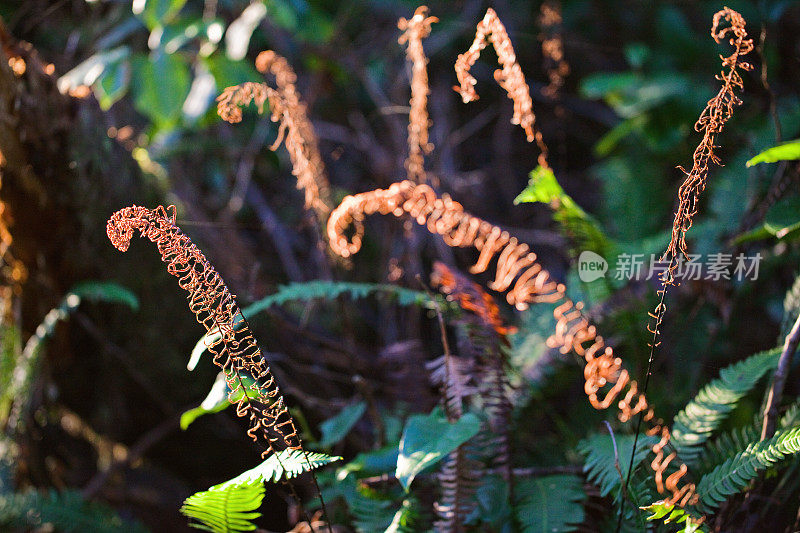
295, 129
711, 122
236, 350
414, 30
509, 77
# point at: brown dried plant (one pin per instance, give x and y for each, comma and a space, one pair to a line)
414, 30
510, 77
713, 118
295, 130
552, 46
235, 350
711, 122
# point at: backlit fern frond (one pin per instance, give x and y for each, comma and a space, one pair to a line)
235, 349
711, 122
225, 509
295, 129
697, 421
510, 77
414, 30
286, 464
733, 475
517, 272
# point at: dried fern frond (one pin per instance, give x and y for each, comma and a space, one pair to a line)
233, 345
470, 296
517, 272
552, 46
481, 337
510, 77
414, 30
295, 129
711, 122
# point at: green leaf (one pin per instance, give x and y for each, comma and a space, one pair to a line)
217, 399
427, 439
225, 508
112, 84
284, 464
106, 291
698, 420
584, 232
90, 70
160, 86
787, 151
373, 463
159, 12
550, 504
336, 428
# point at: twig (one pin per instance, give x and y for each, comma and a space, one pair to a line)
135, 452
775, 393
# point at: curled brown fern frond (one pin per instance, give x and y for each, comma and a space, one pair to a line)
516, 263
552, 46
236, 351
509, 77
295, 129
414, 30
711, 122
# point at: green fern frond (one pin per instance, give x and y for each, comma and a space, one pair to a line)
734, 474
727, 445
791, 417
225, 508
287, 463
550, 504
673, 515
698, 420
374, 512
601, 462
584, 232
64, 512
321, 290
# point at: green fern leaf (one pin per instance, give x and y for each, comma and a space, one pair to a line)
225, 508
673, 515
550, 504
601, 462
698, 420
287, 463
727, 445
315, 290
734, 474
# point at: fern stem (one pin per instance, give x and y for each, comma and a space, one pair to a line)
778, 382
658, 317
